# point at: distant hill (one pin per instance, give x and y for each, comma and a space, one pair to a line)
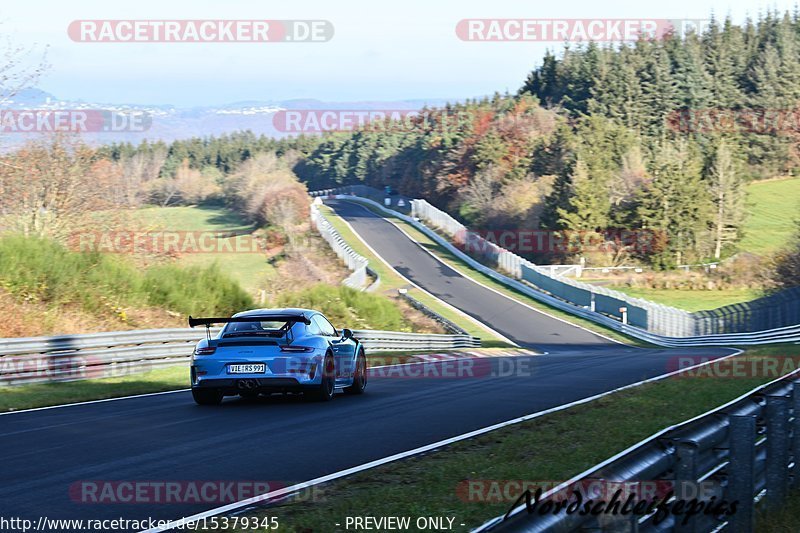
30, 97
171, 122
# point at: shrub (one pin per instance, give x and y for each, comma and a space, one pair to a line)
195, 290
786, 265
42, 270
346, 307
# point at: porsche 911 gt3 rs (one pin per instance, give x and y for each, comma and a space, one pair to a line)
276, 350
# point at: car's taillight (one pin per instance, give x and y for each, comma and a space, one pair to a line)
296, 349
208, 350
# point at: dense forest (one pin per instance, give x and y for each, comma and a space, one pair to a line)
610, 136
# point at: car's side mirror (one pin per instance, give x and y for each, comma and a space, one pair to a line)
347, 334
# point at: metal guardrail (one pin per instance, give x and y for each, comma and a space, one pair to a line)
377, 340
783, 334
354, 261
120, 353
41, 345
394, 201
747, 450
778, 310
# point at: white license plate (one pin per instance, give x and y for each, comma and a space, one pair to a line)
247, 369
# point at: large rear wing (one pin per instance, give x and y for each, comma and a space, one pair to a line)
252, 318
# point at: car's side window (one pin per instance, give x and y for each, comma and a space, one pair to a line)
325, 327
313, 328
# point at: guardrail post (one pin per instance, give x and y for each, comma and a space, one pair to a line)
796, 434
777, 449
686, 473
741, 482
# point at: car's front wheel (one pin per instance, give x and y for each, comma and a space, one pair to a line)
360, 375
207, 396
324, 391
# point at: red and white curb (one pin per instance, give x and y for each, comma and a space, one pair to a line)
473, 354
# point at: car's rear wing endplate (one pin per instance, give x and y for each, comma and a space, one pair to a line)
253, 318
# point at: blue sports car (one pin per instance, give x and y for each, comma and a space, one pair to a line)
276, 350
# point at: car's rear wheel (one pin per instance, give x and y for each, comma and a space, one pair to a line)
360, 376
207, 396
324, 391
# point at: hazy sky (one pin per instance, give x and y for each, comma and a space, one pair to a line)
378, 52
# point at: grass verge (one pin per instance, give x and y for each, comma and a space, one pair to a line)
47, 394
346, 306
784, 519
553, 447
250, 270
691, 300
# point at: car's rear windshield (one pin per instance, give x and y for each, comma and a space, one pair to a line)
268, 327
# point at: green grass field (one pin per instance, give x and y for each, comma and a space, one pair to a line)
45, 271
689, 300
195, 218
250, 270
772, 210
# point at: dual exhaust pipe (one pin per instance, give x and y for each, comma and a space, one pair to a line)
247, 384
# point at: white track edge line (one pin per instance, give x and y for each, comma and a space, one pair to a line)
87, 402
416, 451
598, 466
93, 401
385, 262
460, 271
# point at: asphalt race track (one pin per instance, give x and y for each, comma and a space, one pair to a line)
164, 438
515, 321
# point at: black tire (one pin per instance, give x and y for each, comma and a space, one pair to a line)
324, 391
207, 396
360, 377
